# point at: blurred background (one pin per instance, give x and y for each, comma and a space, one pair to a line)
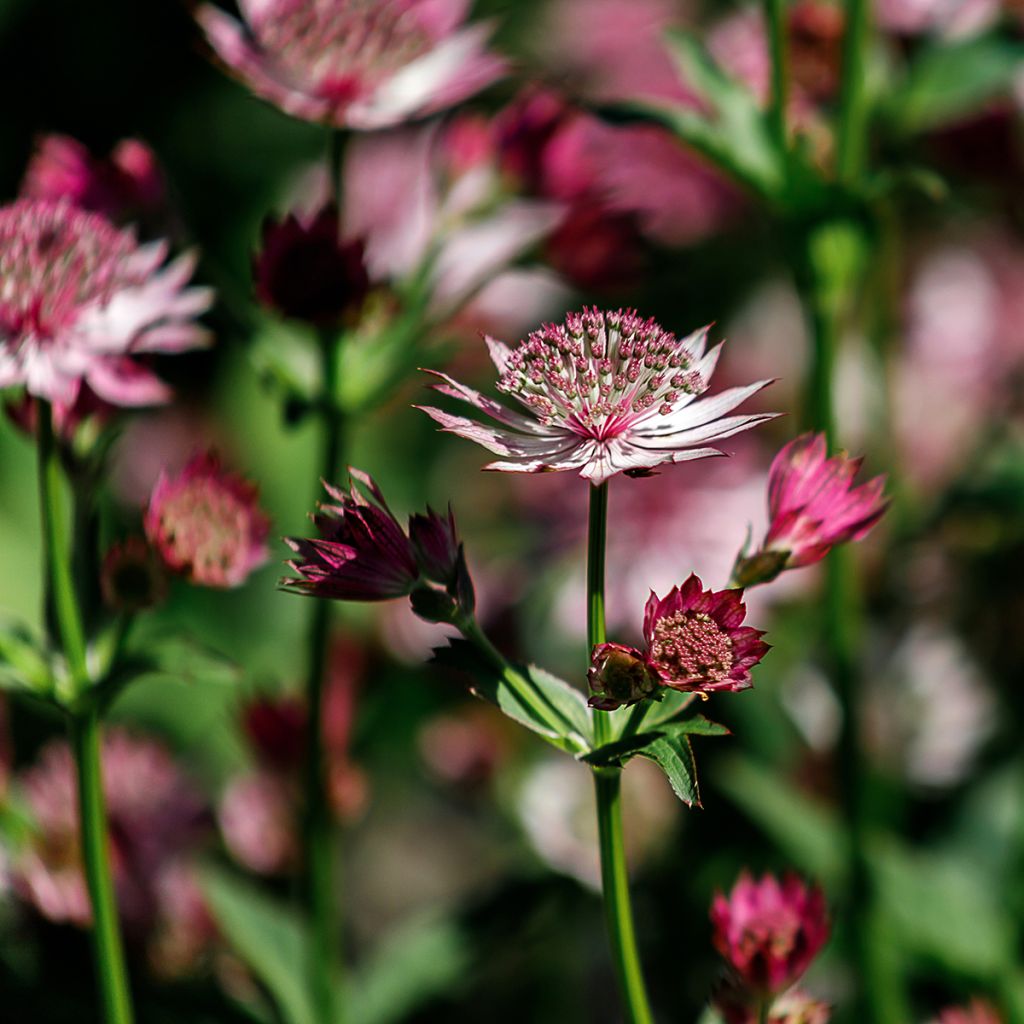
468, 855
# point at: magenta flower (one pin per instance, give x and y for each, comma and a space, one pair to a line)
978, 1011
695, 643
79, 299
125, 185
362, 64
306, 271
769, 931
604, 393
812, 505
206, 524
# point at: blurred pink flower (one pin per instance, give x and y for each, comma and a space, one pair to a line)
79, 299
258, 819
155, 817
126, 185
364, 64
769, 931
605, 393
465, 747
940, 17
792, 1007
206, 524
305, 270
978, 1011
813, 506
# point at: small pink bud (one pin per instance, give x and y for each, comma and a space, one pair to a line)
620, 676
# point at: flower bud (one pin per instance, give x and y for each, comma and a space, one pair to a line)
620, 676
131, 577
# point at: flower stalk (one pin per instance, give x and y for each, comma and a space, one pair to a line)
84, 726
775, 16
608, 788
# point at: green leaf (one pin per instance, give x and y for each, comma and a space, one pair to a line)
420, 961
559, 713
952, 80
683, 723
24, 665
674, 756
268, 938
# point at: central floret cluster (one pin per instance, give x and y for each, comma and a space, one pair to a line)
602, 372
689, 645
605, 393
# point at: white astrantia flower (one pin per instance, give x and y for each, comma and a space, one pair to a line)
604, 393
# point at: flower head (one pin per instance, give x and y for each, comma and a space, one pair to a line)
79, 299
695, 643
306, 271
362, 64
812, 505
206, 524
604, 393
363, 554
769, 931
978, 1011
738, 1006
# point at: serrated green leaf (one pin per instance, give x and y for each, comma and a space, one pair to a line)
951, 80
269, 939
420, 961
674, 756
683, 723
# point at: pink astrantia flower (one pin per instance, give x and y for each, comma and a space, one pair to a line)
696, 643
793, 1007
364, 64
79, 299
604, 393
978, 1011
206, 524
125, 185
813, 506
769, 931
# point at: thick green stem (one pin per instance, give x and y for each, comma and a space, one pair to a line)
608, 785
106, 933
851, 145
778, 40
764, 1012
318, 829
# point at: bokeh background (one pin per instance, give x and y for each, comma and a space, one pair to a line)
468, 859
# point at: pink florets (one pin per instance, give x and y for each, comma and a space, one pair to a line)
978, 1011
358, 63
206, 524
80, 298
769, 931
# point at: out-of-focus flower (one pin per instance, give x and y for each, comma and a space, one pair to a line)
305, 270
125, 186
465, 747
978, 1011
940, 17
275, 727
80, 299
605, 393
257, 816
696, 643
792, 1007
556, 807
184, 928
75, 425
769, 931
131, 577
813, 506
362, 64
155, 819
206, 524
363, 554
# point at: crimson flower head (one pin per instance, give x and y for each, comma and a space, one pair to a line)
363, 554
813, 506
81, 299
364, 64
695, 641
306, 271
206, 524
769, 931
603, 393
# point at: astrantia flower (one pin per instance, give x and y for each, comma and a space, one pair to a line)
363, 64
206, 524
738, 1006
80, 298
363, 554
979, 1011
305, 269
813, 506
604, 393
695, 643
769, 931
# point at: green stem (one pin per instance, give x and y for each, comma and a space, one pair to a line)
851, 145
764, 1012
318, 831
778, 38
608, 786
106, 932
61, 602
